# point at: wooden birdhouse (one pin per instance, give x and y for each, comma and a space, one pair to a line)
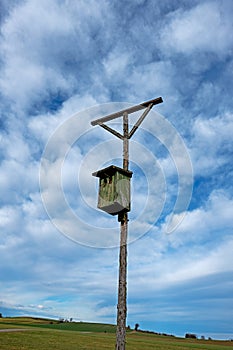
114, 189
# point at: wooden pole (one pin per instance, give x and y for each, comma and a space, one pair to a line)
123, 216
122, 286
125, 141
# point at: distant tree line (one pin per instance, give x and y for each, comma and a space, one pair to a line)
190, 335
61, 320
194, 336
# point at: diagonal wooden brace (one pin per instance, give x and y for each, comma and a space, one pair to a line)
140, 120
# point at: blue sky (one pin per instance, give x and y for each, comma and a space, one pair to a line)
64, 59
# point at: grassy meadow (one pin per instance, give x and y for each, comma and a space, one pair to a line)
34, 334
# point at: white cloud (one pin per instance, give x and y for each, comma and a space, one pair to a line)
148, 80
200, 246
15, 147
17, 180
206, 27
116, 64
38, 52
212, 143
200, 224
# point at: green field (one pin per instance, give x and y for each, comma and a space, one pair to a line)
34, 334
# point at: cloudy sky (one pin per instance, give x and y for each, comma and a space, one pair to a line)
65, 63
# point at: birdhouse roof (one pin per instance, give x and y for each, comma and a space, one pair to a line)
110, 171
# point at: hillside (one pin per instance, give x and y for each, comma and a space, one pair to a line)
28, 332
